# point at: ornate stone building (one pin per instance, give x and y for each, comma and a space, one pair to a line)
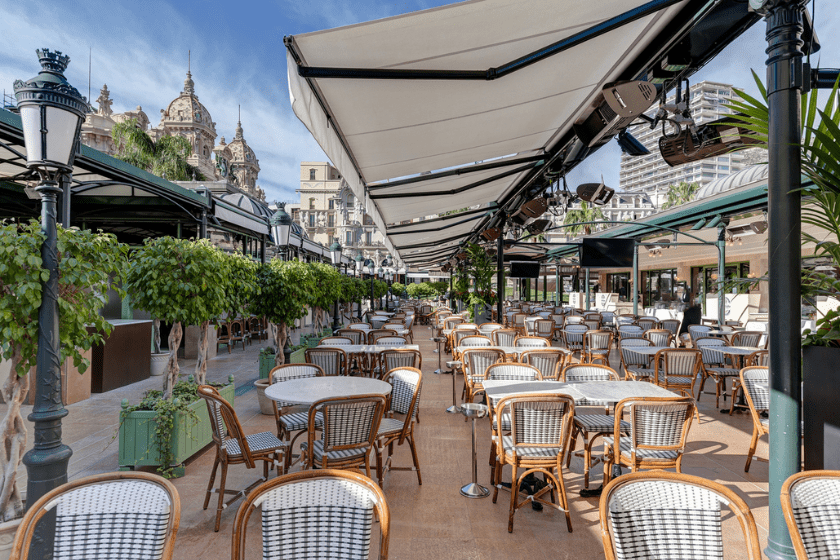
329, 212
232, 168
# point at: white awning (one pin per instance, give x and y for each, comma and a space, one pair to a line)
376, 130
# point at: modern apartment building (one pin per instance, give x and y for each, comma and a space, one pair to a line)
650, 173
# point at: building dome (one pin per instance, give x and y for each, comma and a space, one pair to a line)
742, 178
248, 204
187, 109
240, 149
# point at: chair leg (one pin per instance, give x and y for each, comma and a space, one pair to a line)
572, 445
564, 503
379, 474
221, 505
414, 458
514, 496
212, 480
751, 452
497, 479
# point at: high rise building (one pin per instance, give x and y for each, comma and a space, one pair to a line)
650, 173
329, 212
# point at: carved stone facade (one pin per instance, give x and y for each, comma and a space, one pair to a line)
234, 164
329, 212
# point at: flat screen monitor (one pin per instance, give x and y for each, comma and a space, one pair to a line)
607, 253
524, 269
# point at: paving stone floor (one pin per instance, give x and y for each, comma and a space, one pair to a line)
431, 521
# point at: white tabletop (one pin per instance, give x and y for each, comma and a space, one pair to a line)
312, 389
514, 349
646, 350
370, 348
734, 350
596, 392
718, 332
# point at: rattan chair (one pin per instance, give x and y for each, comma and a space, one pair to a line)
544, 328
757, 358
406, 383
549, 361
395, 341
714, 366
574, 319
335, 341
357, 336
637, 367
755, 381
124, 515
559, 322
590, 426
810, 501
540, 427
573, 337
519, 323
747, 338
374, 335
607, 320
223, 336
400, 329
656, 440
531, 342
698, 331
315, 514
596, 347
257, 328
512, 372
677, 369
290, 422
647, 323
669, 515
672, 325
360, 326
504, 337
356, 361
470, 341
457, 336
592, 316
332, 361
233, 447
237, 334
476, 361
349, 432
630, 331
399, 358
659, 337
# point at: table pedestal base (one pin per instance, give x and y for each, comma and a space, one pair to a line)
474, 490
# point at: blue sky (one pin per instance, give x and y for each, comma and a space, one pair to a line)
140, 50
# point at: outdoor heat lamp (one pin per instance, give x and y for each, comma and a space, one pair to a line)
618, 105
51, 112
596, 193
710, 139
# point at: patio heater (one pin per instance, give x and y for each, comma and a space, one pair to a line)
335, 255
281, 226
52, 112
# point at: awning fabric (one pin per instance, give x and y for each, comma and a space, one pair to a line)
375, 130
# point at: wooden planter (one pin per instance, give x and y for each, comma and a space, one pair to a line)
820, 405
298, 356
137, 435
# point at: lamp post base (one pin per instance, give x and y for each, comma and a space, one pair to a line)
474, 490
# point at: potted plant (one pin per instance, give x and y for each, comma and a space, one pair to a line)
820, 149
481, 299
285, 292
327, 291
88, 262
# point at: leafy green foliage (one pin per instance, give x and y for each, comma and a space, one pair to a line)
422, 290
241, 284
286, 289
180, 280
577, 216
380, 288
86, 263
397, 288
165, 158
827, 333
679, 194
328, 285
440, 287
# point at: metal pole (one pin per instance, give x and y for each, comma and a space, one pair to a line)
721, 245
262, 248
500, 278
545, 283
65, 200
586, 289
202, 229
784, 87
372, 306
46, 462
557, 285
636, 279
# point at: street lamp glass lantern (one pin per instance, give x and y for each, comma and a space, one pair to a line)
335, 253
281, 225
380, 272
51, 112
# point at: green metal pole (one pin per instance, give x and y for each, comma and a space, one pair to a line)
557, 300
636, 279
785, 24
545, 284
721, 244
586, 290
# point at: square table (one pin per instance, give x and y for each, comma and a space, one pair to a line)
595, 393
370, 348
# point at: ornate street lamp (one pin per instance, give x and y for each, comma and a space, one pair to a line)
369, 264
52, 112
281, 226
335, 255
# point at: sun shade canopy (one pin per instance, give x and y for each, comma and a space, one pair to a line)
456, 107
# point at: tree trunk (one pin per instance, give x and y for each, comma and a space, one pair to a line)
281, 333
13, 433
201, 364
156, 335
170, 376
272, 329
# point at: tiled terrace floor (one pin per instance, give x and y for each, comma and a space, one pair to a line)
431, 521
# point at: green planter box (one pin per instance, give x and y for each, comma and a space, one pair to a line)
298, 356
137, 429
266, 365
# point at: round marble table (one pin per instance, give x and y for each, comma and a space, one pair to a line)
312, 389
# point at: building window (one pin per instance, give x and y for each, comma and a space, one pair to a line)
312, 204
331, 205
311, 220
331, 220
348, 238
368, 238
311, 174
